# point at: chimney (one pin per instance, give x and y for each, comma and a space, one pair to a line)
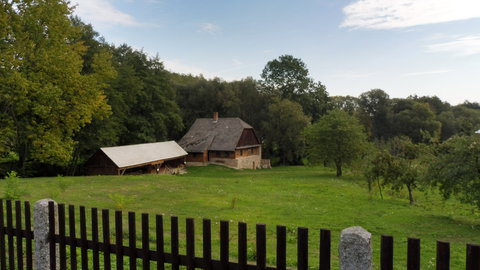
215, 117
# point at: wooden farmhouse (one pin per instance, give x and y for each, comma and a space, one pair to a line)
156, 158
225, 141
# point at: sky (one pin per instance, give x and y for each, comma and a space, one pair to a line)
404, 47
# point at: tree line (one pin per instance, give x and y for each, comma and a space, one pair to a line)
65, 92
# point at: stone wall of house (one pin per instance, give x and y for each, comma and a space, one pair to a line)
250, 162
194, 163
232, 163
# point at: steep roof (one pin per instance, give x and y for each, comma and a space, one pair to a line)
136, 154
207, 134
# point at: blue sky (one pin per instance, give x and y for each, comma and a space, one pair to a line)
405, 47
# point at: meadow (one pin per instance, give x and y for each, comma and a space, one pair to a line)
300, 196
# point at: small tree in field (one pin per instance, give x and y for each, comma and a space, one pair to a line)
401, 164
338, 137
456, 169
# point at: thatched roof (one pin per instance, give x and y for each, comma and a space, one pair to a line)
136, 154
220, 135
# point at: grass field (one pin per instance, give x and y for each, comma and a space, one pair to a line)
310, 197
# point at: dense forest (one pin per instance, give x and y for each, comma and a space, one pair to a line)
65, 92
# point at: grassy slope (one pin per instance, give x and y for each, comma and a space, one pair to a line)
293, 196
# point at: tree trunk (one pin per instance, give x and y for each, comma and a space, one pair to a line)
410, 194
379, 188
22, 159
338, 164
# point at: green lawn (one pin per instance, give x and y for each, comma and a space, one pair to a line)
309, 197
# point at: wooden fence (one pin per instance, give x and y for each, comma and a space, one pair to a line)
99, 248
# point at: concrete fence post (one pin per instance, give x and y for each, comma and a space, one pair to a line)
41, 258
355, 249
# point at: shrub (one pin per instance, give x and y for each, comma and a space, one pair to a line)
12, 188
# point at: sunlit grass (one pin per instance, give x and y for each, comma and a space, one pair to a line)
309, 197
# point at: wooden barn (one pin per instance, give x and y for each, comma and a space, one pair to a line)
226, 141
155, 158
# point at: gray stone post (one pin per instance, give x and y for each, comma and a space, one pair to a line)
355, 249
41, 259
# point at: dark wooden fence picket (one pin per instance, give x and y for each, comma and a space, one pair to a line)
302, 249
28, 236
325, 249
473, 257
16, 239
443, 255
11, 256
413, 254
386, 252
281, 247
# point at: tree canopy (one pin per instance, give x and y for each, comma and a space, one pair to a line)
288, 78
338, 137
45, 97
285, 125
456, 170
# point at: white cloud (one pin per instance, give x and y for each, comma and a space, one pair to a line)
461, 46
209, 28
429, 72
102, 13
388, 14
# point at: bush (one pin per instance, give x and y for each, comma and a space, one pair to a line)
12, 188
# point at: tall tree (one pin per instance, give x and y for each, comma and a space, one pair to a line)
46, 99
415, 120
347, 104
288, 78
284, 127
374, 112
338, 137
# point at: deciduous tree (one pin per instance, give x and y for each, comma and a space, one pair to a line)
338, 137
456, 170
288, 78
44, 96
285, 125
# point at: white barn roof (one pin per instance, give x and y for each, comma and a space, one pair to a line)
136, 154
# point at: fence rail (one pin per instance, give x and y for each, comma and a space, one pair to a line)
97, 250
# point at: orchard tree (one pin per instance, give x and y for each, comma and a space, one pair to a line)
44, 95
456, 170
338, 137
399, 164
405, 167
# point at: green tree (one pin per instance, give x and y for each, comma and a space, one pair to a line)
348, 104
338, 137
415, 120
374, 108
375, 169
284, 128
45, 97
456, 170
405, 166
288, 78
